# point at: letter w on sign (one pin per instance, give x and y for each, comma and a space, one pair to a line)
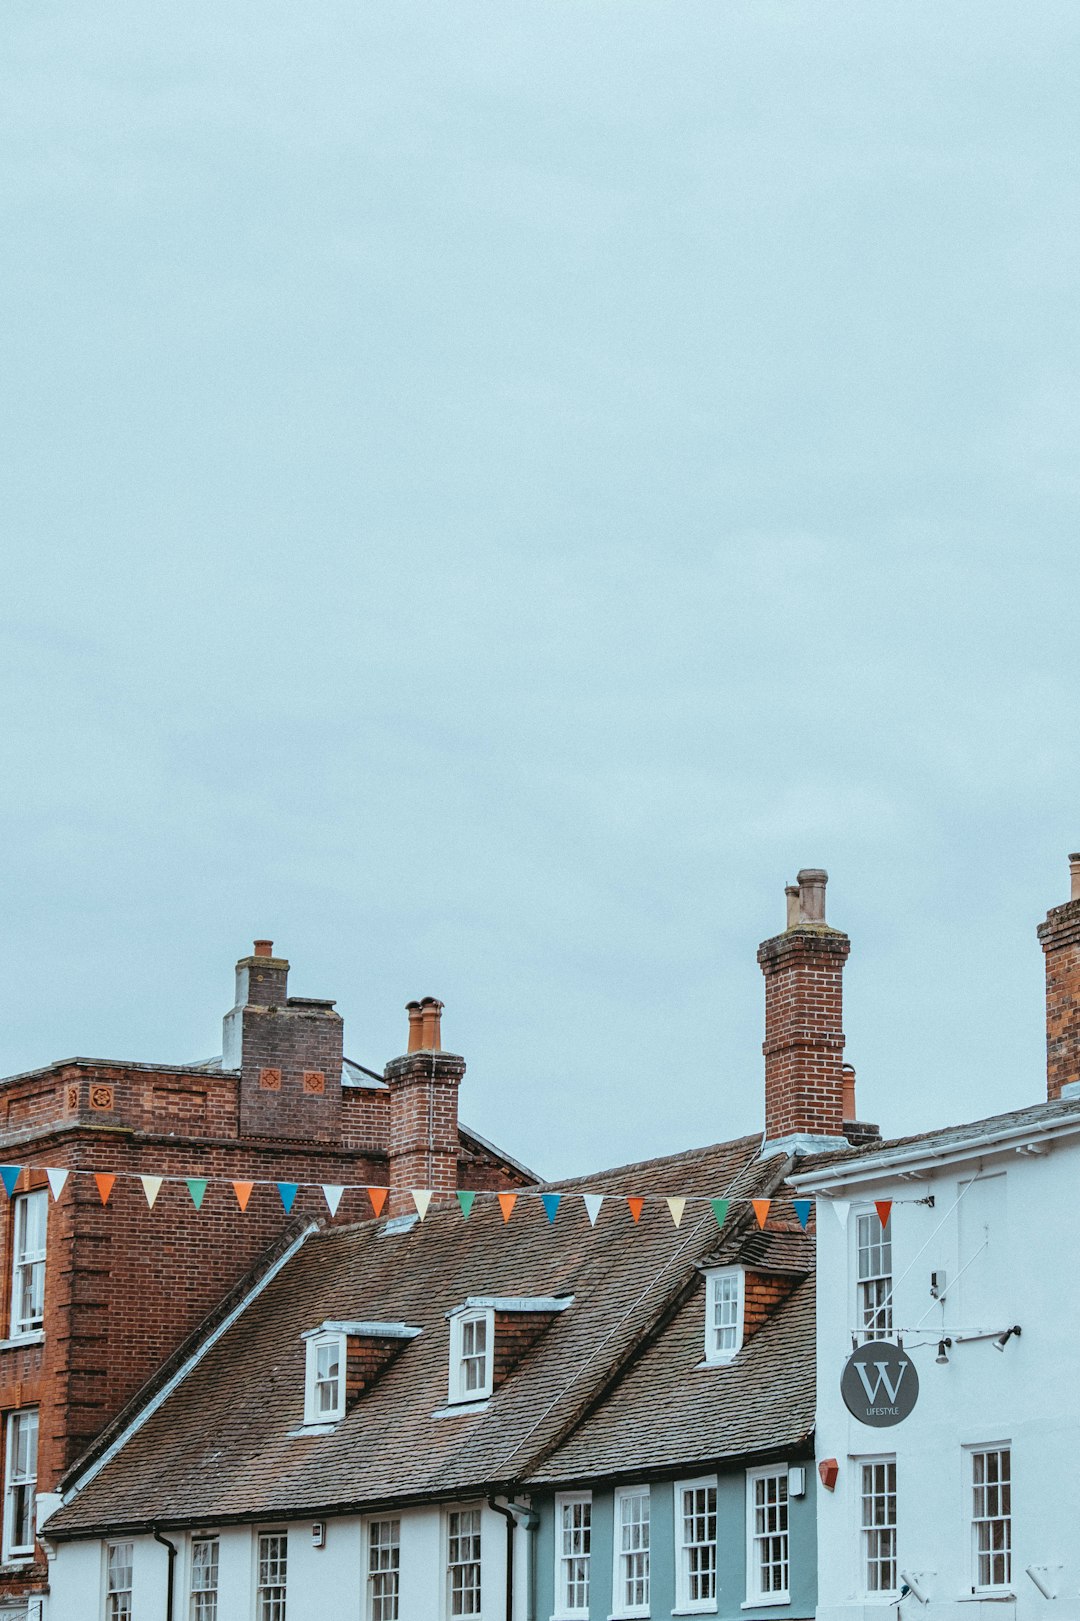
873, 1388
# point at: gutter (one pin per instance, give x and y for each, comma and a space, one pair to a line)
510, 1512
171, 1547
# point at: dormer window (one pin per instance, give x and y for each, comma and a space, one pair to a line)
472, 1341
724, 1302
324, 1394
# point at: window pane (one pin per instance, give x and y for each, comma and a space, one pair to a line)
878, 1509
273, 1564
575, 1534
633, 1546
118, 1581
991, 1517
769, 1554
204, 1579
699, 1542
463, 1562
874, 1273
20, 1484
384, 1563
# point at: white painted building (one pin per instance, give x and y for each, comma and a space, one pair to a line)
973, 1501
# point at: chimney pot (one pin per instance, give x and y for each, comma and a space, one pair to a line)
792, 893
264, 948
848, 1073
812, 881
1074, 874
415, 1013
431, 1023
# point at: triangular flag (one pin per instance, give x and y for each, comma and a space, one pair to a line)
592, 1203
104, 1180
551, 1203
196, 1186
243, 1191
841, 1206
331, 1192
421, 1199
761, 1210
676, 1206
507, 1201
802, 1210
883, 1207
720, 1208
56, 1182
636, 1207
378, 1199
288, 1191
465, 1200
9, 1175
151, 1186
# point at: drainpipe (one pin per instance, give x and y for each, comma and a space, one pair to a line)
171, 1546
530, 1521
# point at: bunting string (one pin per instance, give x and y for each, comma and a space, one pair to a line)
634, 1204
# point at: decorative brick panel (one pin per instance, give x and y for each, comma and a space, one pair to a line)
314, 1082
270, 1080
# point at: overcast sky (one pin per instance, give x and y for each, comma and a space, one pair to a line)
491, 490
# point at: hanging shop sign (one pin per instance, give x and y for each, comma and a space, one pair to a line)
879, 1384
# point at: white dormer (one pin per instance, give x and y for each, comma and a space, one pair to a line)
472, 1361
515, 1321
342, 1359
725, 1302
324, 1384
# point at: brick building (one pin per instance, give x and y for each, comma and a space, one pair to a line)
96, 1298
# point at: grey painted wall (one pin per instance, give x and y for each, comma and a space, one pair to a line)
731, 1552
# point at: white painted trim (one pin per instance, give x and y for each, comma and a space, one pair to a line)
313, 1419
684, 1604
754, 1596
619, 1610
713, 1357
376, 1331
456, 1391
161, 1397
512, 1303
562, 1500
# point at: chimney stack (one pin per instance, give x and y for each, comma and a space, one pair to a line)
288, 1052
424, 1142
804, 1029
1060, 938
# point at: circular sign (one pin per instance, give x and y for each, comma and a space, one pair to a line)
879, 1384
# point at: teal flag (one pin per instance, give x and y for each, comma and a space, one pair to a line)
720, 1208
803, 1208
196, 1186
465, 1200
10, 1175
551, 1203
288, 1191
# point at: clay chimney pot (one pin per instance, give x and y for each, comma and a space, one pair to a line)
793, 913
416, 1033
1074, 874
812, 881
264, 948
431, 1016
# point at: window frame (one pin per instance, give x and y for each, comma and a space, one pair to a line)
313, 1345
879, 1239
19, 1553
562, 1611
194, 1611
455, 1511
984, 1449
871, 1461
370, 1572
108, 1609
755, 1595
684, 1604
24, 1259
262, 1533
714, 1356
457, 1391
619, 1605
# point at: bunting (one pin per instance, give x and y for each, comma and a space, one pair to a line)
332, 1193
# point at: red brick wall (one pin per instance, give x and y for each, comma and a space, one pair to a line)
515, 1333
763, 1293
1060, 937
424, 1142
804, 1031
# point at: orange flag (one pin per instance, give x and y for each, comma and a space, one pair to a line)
636, 1207
378, 1199
883, 1207
243, 1191
761, 1210
507, 1201
104, 1180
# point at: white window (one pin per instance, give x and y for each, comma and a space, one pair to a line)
204, 1579
29, 1219
20, 1483
384, 1569
991, 1519
118, 1561
631, 1587
767, 1546
724, 1314
873, 1244
271, 1576
324, 1392
877, 1521
463, 1562
472, 1336
573, 1538
695, 1545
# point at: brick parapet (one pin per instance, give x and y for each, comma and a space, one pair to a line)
1059, 936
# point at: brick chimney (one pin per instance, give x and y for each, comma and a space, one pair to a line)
424, 1141
804, 1027
1060, 937
288, 1051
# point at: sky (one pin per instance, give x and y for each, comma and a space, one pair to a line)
489, 491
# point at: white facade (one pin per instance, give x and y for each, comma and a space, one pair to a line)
322, 1583
998, 1236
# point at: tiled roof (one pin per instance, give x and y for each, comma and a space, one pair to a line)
945, 1138
222, 1446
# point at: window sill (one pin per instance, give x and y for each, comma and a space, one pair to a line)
697, 1609
716, 1362
993, 1595
321, 1428
16, 1341
766, 1601
629, 1615
458, 1409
